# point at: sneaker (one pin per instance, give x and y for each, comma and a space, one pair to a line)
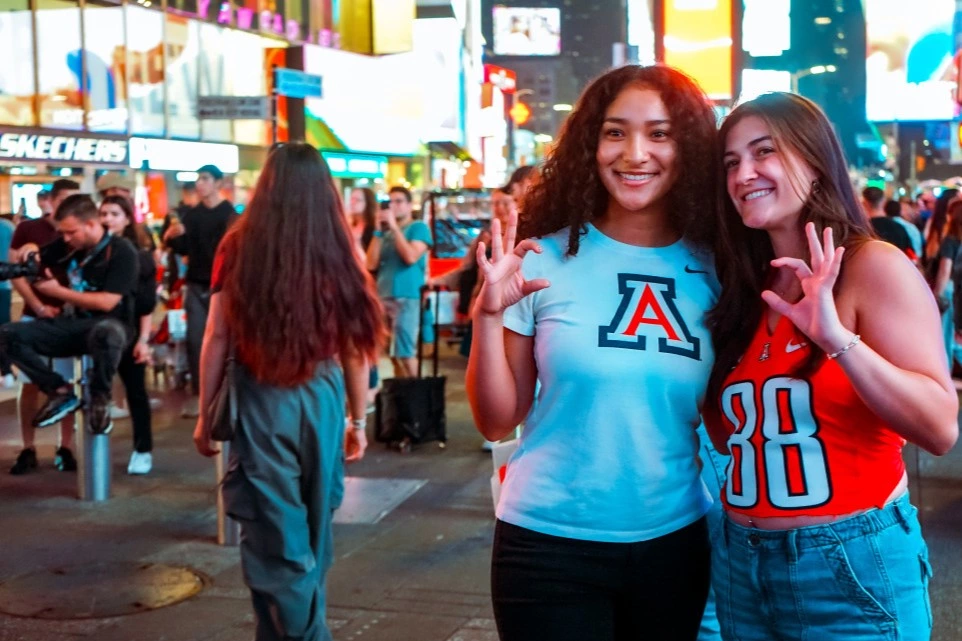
155, 403
191, 408
118, 412
64, 461
9, 381
56, 408
140, 463
26, 462
99, 417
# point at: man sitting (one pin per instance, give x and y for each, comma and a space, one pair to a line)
97, 316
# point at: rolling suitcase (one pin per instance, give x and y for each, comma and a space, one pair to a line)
409, 411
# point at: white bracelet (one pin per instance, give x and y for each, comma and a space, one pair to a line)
359, 424
855, 340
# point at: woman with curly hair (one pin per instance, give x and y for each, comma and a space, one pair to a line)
601, 529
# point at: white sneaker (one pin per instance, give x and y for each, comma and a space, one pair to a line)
155, 403
8, 381
140, 463
118, 412
191, 408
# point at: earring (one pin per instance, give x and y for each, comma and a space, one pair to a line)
816, 186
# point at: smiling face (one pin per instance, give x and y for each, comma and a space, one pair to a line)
357, 203
636, 154
769, 186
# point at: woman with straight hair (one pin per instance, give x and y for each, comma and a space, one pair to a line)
292, 303
816, 387
117, 215
362, 215
601, 530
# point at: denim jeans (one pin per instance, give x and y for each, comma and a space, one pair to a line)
866, 577
713, 475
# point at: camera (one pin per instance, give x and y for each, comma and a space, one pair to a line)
29, 269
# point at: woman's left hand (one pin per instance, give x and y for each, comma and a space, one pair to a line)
815, 314
142, 353
202, 439
355, 443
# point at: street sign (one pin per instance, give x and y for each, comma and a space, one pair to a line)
233, 107
296, 84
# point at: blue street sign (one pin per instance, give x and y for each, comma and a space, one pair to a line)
296, 84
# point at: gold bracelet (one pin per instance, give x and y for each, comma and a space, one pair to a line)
855, 341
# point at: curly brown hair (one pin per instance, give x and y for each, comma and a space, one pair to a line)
571, 194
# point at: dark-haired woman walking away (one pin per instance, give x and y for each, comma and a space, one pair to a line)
292, 299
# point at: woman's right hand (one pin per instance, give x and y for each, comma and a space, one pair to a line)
503, 283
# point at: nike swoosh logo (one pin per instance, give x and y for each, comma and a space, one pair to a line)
689, 270
794, 347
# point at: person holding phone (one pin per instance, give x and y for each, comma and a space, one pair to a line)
398, 253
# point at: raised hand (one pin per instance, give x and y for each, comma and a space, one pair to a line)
504, 284
815, 314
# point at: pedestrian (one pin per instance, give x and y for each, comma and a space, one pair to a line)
601, 530
29, 236
197, 236
7, 230
117, 215
816, 388
362, 216
293, 303
398, 253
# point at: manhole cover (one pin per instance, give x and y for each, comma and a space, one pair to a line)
98, 590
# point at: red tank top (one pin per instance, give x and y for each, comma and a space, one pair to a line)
800, 446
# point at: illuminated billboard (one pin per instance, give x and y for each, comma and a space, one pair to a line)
909, 70
698, 40
527, 32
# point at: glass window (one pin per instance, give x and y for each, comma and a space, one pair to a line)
145, 37
213, 78
106, 66
58, 32
182, 53
16, 80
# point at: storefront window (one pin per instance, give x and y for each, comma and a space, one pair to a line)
59, 65
16, 80
145, 38
182, 55
213, 78
106, 65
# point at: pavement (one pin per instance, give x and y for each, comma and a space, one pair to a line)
412, 543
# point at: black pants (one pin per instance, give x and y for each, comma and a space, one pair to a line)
5, 296
196, 306
134, 377
27, 345
559, 589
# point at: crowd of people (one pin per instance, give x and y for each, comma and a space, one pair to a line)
685, 319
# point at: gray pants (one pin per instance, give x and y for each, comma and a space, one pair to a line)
196, 306
284, 480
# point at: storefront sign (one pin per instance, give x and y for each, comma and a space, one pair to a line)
233, 107
504, 79
355, 166
180, 155
68, 149
297, 84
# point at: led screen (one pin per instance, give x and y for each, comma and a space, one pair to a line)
527, 32
909, 70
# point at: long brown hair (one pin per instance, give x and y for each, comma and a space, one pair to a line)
953, 226
369, 215
743, 255
295, 291
570, 192
134, 232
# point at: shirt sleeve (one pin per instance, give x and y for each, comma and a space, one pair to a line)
146, 299
949, 248
419, 231
19, 237
520, 317
122, 270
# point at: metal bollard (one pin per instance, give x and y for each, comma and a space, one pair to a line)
228, 530
93, 473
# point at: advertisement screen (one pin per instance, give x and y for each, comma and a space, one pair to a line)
145, 38
16, 80
698, 41
527, 32
909, 70
59, 65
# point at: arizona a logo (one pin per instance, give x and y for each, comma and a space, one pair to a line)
647, 310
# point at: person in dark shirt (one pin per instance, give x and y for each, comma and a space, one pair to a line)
97, 314
37, 233
197, 236
117, 215
873, 201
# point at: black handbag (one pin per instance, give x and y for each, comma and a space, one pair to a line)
222, 411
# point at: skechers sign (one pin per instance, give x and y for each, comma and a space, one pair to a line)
69, 149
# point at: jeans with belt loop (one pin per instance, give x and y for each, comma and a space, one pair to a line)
865, 577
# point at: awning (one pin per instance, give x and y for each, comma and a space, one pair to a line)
448, 149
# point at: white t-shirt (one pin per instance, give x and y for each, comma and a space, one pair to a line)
609, 451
